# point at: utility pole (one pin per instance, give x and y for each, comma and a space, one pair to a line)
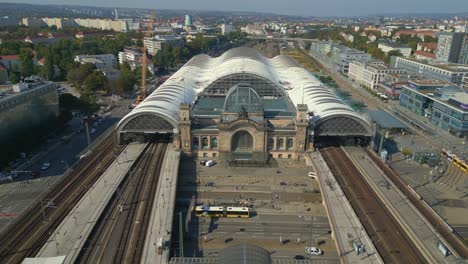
181, 237
88, 137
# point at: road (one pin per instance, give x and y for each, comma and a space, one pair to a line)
17, 196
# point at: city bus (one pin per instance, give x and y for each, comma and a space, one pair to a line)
222, 211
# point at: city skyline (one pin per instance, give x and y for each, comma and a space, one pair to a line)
296, 7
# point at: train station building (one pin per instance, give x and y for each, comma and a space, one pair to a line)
244, 106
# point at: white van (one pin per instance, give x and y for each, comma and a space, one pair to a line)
210, 163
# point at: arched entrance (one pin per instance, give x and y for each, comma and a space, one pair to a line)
242, 142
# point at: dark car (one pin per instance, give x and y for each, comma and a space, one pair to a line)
299, 257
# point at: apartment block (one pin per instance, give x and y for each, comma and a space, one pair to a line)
369, 74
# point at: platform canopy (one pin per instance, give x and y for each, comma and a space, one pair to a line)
386, 121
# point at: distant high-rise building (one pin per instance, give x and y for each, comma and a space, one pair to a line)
116, 14
227, 28
188, 20
379, 20
452, 47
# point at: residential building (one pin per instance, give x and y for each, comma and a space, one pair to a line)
369, 74
427, 46
418, 33
110, 74
101, 60
442, 103
227, 28
387, 47
156, 43
425, 56
130, 55
324, 47
28, 104
453, 73
11, 62
451, 47
103, 24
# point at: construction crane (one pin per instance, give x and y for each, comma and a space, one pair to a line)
149, 34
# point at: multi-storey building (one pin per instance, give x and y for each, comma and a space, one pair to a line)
342, 56
443, 104
369, 74
101, 61
452, 47
391, 84
453, 73
156, 43
227, 28
387, 47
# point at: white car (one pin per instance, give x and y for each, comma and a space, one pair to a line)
92, 131
312, 175
313, 251
45, 166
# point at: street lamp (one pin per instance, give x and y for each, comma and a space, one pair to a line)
66, 164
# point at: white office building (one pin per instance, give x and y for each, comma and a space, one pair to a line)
369, 74
387, 47
101, 61
227, 28
156, 43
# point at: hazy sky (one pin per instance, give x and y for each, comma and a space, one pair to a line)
295, 7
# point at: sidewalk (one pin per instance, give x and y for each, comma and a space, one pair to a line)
345, 225
72, 233
162, 213
415, 225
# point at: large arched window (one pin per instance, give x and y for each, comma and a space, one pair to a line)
214, 142
289, 144
242, 97
195, 143
242, 141
280, 144
204, 142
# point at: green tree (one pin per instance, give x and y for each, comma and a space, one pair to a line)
14, 78
391, 53
95, 81
126, 80
27, 64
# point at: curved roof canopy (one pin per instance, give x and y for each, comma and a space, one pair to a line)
281, 74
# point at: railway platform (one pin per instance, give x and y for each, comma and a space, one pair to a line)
346, 227
70, 236
419, 230
157, 243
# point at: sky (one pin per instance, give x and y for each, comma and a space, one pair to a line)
290, 7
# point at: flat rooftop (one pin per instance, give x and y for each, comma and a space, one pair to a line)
444, 66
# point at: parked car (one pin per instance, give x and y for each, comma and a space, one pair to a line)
210, 163
45, 166
203, 162
92, 131
313, 251
312, 175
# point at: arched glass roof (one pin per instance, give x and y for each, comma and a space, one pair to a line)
281, 72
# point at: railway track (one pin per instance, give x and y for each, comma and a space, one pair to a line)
119, 235
391, 241
25, 237
438, 223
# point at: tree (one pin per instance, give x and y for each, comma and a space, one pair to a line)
94, 82
78, 75
127, 79
391, 53
14, 78
26, 59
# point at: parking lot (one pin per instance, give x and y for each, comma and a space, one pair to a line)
286, 210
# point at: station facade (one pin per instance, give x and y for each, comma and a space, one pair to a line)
243, 106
